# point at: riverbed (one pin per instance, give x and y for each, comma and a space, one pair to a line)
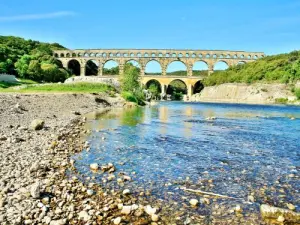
247, 152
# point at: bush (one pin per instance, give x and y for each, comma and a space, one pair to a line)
128, 96
281, 100
297, 93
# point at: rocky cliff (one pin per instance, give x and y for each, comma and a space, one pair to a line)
244, 93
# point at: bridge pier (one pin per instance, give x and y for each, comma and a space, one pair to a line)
189, 91
82, 70
163, 90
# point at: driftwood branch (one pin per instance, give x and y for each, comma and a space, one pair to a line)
211, 194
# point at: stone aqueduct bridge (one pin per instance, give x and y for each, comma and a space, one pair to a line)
163, 57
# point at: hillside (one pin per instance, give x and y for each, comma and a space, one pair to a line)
30, 59
283, 68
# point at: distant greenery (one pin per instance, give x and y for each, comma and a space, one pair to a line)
74, 87
283, 68
30, 59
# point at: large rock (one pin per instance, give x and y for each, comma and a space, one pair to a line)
270, 212
37, 124
35, 190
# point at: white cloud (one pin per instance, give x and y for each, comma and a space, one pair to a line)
36, 16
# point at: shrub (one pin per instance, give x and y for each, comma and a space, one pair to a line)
281, 100
297, 93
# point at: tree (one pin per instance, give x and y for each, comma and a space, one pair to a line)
130, 78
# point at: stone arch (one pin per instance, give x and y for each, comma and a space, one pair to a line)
207, 56
104, 55
73, 54
200, 68
154, 86
146, 55
160, 55
110, 67
167, 55
153, 55
180, 55
98, 55
194, 55
187, 55
139, 55
91, 67
62, 55
68, 55
198, 87
220, 65
74, 67
153, 67
177, 68
249, 57
174, 55
242, 56
215, 56
255, 57
228, 56
111, 55
86, 55
56, 55
92, 54
200, 55
176, 89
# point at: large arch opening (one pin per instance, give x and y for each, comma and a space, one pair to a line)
176, 90
221, 65
132, 63
154, 87
111, 67
74, 67
200, 68
91, 68
177, 68
198, 87
153, 68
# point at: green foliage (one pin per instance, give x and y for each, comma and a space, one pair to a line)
283, 68
129, 80
297, 93
111, 71
130, 84
154, 89
281, 100
25, 59
128, 96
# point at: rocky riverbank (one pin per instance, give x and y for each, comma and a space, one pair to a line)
249, 94
39, 133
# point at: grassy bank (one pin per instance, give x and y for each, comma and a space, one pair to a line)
74, 87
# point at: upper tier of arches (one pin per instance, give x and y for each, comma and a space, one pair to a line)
158, 54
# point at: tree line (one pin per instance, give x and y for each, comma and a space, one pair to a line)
30, 59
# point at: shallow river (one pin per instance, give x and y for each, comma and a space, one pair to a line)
248, 150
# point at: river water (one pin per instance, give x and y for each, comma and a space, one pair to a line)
248, 150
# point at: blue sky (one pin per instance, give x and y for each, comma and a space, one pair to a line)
271, 26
